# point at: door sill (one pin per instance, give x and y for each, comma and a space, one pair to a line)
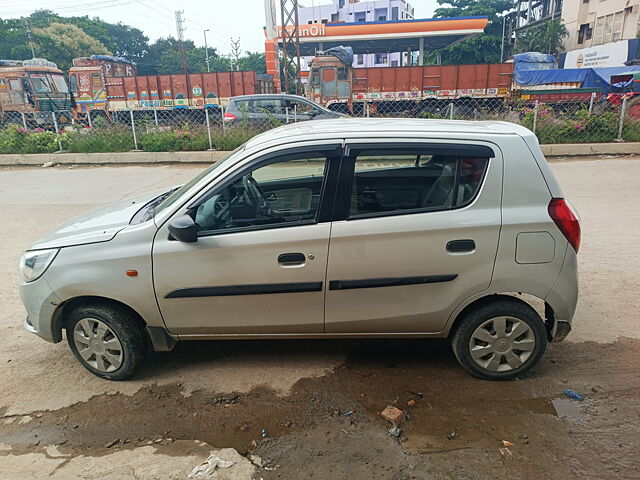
249, 336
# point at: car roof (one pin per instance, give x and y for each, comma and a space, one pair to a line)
268, 95
351, 127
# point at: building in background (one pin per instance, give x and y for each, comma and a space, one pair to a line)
360, 11
602, 33
597, 22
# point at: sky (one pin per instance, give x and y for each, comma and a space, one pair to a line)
225, 19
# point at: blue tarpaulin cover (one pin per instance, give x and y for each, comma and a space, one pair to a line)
587, 77
533, 61
110, 58
344, 54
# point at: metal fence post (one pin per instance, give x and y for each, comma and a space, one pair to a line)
89, 118
593, 96
133, 128
155, 116
366, 108
206, 114
295, 113
224, 127
55, 124
24, 120
535, 116
622, 112
451, 111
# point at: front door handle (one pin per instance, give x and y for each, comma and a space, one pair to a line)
288, 259
461, 246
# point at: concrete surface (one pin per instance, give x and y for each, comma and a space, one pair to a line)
47, 399
125, 158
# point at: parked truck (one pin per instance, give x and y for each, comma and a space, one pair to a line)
463, 89
111, 84
35, 87
341, 87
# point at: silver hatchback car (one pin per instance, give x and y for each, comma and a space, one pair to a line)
330, 228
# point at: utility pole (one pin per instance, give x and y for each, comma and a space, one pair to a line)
206, 50
235, 52
290, 45
27, 29
180, 28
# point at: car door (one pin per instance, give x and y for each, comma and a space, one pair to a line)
259, 263
415, 232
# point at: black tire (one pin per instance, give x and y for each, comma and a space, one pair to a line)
505, 307
125, 325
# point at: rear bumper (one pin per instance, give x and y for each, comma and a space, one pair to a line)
563, 297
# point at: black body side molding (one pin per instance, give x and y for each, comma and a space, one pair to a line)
254, 289
389, 282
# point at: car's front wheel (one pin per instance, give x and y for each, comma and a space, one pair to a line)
107, 340
501, 340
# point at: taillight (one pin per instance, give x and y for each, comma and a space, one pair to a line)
229, 117
561, 213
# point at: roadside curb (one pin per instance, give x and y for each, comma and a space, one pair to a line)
590, 149
120, 158
209, 157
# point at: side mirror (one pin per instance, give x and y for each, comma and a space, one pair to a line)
183, 229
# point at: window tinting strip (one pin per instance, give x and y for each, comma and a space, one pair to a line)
255, 289
389, 282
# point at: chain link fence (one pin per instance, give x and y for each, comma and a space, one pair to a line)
591, 120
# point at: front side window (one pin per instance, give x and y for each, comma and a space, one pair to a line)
388, 181
271, 105
300, 107
73, 83
40, 83
285, 192
15, 85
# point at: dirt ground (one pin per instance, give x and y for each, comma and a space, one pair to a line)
59, 421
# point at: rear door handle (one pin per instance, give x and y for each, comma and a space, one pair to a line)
287, 259
461, 246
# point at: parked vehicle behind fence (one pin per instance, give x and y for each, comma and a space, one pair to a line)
326, 229
275, 109
36, 88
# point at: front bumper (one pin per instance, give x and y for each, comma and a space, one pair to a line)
40, 303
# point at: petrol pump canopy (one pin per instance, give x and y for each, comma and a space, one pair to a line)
390, 36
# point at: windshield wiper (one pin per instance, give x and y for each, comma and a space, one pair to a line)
148, 211
153, 204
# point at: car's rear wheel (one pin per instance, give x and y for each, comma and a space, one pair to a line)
501, 340
107, 340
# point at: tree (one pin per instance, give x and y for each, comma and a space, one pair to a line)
61, 43
483, 48
545, 38
255, 61
163, 56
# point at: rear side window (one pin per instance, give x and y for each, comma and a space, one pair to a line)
387, 182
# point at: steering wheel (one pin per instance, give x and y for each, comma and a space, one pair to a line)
255, 194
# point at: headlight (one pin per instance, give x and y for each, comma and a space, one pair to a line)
33, 264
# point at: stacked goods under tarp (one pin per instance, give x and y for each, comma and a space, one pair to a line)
535, 78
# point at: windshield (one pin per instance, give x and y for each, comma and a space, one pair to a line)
40, 83
61, 85
170, 200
